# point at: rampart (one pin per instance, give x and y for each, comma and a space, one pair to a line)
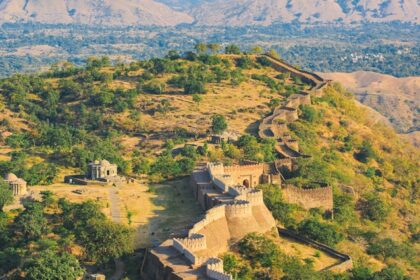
238, 209
194, 242
211, 215
309, 198
255, 197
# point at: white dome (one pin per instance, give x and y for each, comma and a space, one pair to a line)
105, 162
10, 177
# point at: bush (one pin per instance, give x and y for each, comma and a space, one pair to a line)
388, 248
244, 62
374, 208
232, 49
155, 87
309, 114
219, 124
321, 232
365, 152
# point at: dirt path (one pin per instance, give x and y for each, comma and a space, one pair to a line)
115, 205
116, 217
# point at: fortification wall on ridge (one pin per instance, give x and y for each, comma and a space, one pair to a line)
309, 198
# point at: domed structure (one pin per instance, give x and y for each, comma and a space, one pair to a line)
101, 170
18, 185
104, 162
10, 177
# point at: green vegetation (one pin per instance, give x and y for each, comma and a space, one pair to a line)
71, 115
38, 240
6, 195
219, 124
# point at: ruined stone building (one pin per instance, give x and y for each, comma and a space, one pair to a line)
101, 170
18, 185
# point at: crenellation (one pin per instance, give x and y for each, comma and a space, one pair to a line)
255, 197
238, 208
194, 242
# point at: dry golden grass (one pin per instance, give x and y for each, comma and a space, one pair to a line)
156, 210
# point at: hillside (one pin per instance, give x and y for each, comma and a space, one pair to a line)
208, 13
126, 12
396, 98
154, 119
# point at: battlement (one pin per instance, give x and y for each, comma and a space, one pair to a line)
214, 270
195, 242
255, 197
238, 208
243, 168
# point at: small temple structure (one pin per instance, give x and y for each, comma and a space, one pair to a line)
18, 185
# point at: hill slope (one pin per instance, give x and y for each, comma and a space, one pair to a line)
204, 12
125, 12
396, 98
149, 117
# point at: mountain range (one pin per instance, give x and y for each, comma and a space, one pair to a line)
208, 12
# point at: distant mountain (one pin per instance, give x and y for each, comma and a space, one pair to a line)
266, 12
105, 12
208, 12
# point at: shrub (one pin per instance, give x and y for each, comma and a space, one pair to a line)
374, 208
155, 87
365, 152
309, 114
324, 233
219, 124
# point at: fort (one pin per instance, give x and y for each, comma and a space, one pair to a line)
234, 206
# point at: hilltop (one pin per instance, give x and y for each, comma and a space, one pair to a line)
208, 13
154, 119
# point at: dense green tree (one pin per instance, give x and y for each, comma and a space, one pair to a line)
213, 47
365, 153
31, 223
197, 99
200, 47
104, 240
232, 49
322, 232
6, 194
219, 124
49, 265
374, 207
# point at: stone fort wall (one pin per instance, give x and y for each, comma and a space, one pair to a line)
309, 198
238, 209
214, 269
